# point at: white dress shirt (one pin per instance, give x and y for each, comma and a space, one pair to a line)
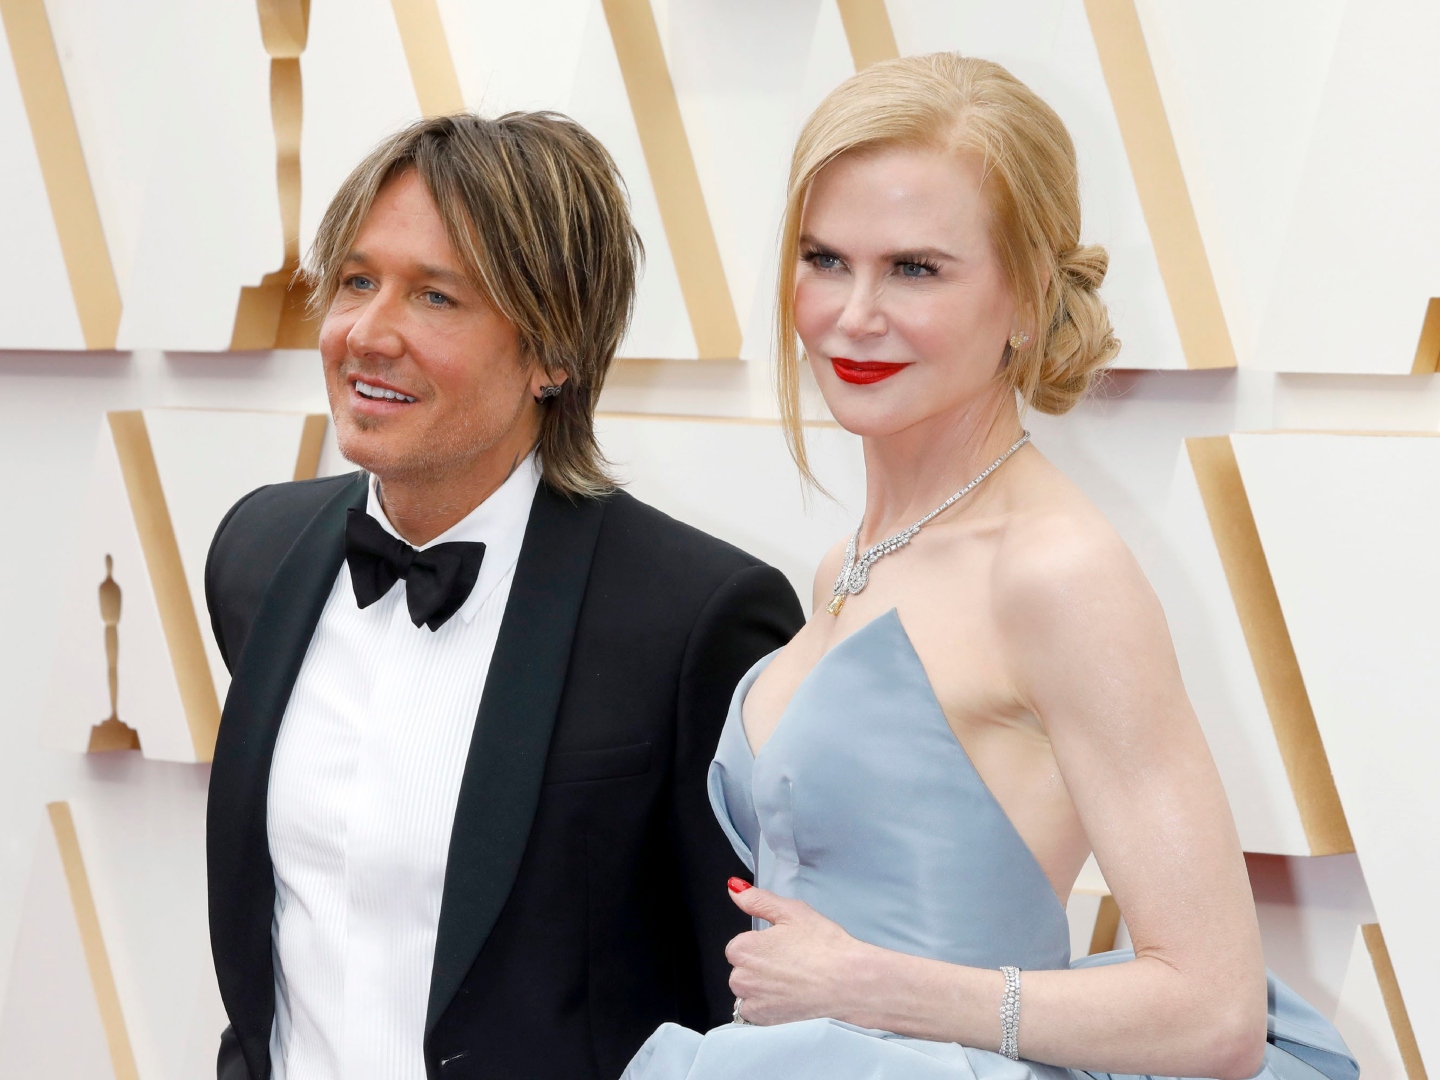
363, 788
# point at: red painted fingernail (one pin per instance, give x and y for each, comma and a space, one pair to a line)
738, 884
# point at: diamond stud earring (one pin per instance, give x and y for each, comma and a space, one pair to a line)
1018, 339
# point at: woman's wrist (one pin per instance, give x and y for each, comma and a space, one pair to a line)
923, 998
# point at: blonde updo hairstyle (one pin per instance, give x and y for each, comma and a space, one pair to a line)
959, 104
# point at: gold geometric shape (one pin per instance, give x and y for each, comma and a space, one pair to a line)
167, 577
110, 605
284, 27
1160, 183
432, 69
1267, 639
868, 31
1427, 351
102, 978
112, 734
273, 314
1107, 926
1394, 1003
62, 164
674, 177
312, 441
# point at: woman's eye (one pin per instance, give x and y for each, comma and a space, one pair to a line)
915, 270
821, 261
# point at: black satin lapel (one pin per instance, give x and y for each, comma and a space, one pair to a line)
501, 785
241, 878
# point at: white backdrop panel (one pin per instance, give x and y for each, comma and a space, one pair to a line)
1349, 525
50, 1023
357, 90
209, 220
1243, 160
1359, 263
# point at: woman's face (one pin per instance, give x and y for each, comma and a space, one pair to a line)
900, 300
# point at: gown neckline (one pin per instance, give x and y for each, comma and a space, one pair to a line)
887, 617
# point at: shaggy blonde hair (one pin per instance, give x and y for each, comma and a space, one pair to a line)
537, 214
952, 103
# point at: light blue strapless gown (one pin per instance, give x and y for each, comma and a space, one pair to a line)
864, 805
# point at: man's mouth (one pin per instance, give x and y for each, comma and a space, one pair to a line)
380, 393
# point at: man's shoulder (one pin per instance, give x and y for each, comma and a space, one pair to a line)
290, 505
666, 542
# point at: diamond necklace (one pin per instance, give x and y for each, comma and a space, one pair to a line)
855, 574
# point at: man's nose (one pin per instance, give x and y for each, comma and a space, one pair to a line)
376, 333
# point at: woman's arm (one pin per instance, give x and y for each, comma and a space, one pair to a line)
1091, 656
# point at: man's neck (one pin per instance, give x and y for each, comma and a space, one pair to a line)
422, 509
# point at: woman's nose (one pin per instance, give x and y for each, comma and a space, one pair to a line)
863, 315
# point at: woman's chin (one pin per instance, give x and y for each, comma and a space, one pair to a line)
874, 416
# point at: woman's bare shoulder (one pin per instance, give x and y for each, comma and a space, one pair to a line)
1082, 630
1059, 556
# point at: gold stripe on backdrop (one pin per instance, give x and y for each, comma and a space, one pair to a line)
92, 941
1160, 181
673, 175
1394, 1003
272, 314
62, 165
432, 69
1107, 926
1222, 490
167, 579
1427, 352
868, 30
312, 441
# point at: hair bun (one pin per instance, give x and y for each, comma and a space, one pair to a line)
1084, 266
1080, 340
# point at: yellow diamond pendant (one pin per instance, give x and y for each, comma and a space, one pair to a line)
836, 603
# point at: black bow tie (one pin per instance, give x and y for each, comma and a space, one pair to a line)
437, 580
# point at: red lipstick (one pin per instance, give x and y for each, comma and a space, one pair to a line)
863, 372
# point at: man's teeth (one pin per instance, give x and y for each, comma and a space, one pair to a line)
379, 392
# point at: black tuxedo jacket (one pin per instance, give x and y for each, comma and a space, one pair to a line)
584, 899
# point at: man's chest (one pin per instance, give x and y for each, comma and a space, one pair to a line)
372, 748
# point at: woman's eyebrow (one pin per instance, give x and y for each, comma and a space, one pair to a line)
806, 240
913, 254
922, 254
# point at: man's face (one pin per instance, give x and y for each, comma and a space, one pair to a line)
424, 376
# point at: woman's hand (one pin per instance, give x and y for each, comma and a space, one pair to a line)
803, 966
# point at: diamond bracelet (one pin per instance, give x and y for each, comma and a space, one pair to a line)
1010, 1014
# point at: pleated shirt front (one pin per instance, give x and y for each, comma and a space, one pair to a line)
363, 787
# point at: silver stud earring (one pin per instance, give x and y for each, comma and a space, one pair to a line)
1018, 339
548, 392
